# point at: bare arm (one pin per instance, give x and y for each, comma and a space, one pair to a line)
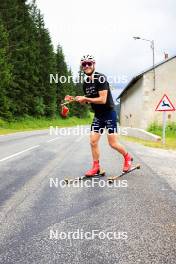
99, 100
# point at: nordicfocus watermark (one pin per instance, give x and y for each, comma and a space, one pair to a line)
87, 183
80, 234
56, 78
84, 131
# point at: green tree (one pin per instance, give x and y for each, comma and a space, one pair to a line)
46, 66
62, 71
26, 65
22, 55
5, 74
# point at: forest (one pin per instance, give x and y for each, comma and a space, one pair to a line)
27, 58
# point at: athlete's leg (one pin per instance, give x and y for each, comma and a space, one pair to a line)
97, 128
95, 135
111, 126
94, 138
113, 142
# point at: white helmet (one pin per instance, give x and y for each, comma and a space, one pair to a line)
87, 58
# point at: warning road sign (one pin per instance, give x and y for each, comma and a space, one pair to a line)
165, 104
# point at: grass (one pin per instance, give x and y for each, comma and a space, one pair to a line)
30, 123
170, 142
170, 129
157, 130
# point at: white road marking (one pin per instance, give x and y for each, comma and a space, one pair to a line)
18, 153
51, 140
23, 151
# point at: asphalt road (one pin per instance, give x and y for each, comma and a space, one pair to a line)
45, 223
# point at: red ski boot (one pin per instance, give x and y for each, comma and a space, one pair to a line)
127, 162
95, 169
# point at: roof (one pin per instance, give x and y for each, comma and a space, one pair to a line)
137, 77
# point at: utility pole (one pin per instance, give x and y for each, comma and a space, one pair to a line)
153, 59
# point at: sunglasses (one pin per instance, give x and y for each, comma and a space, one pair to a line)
87, 63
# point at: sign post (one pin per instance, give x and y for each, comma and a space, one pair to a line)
164, 128
164, 106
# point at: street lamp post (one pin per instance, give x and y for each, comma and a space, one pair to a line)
153, 54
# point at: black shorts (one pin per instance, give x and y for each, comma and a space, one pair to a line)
107, 120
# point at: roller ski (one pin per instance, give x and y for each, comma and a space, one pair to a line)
127, 168
94, 172
113, 178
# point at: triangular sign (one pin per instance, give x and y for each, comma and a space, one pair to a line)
165, 104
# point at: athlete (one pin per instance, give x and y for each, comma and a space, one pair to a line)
98, 94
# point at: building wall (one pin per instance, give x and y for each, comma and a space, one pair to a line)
140, 100
131, 106
165, 84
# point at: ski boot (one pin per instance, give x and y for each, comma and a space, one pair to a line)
127, 162
95, 169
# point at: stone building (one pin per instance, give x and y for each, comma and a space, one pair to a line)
140, 97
